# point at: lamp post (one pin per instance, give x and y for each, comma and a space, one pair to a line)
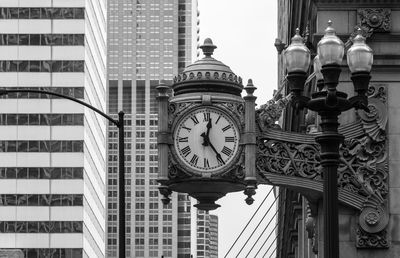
329, 103
121, 159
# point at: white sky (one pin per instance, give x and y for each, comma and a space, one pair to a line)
244, 32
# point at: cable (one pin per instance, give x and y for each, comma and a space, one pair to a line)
249, 222
272, 252
266, 240
276, 212
269, 247
252, 233
269, 234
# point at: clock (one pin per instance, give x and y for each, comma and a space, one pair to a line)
206, 140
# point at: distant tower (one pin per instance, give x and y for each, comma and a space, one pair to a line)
213, 236
207, 235
148, 40
52, 150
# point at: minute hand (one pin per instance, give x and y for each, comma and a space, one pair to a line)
219, 158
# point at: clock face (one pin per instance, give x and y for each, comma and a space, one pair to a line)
206, 140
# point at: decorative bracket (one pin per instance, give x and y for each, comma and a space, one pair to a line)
292, 160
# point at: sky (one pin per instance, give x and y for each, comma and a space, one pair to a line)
244, 32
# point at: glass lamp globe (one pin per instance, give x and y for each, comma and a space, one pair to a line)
330, 48
360, 56
297, 55
317, 69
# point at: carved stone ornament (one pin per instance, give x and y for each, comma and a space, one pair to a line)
268, 114
292, 160
376, 19
375, 240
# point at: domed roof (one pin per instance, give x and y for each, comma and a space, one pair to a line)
207, 75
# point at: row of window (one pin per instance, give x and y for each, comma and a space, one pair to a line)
41, 226
41, 173
42, 66
75, 92
42, 13
41, 199
41, 119
41, 146
51, 252
42, 39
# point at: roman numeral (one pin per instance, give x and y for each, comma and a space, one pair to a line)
229, 139
206, 163
226, 128
216, 122
226, 151
185, 139
206, 116
186, 151
194, 119
187, 128
194, 160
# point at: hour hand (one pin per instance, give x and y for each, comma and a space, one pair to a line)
209, 125
205, 139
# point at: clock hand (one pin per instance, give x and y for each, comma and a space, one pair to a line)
206, 135
207, 142
219, 158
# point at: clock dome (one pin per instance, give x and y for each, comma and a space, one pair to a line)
207, 75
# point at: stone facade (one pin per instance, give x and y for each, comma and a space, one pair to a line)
371, 230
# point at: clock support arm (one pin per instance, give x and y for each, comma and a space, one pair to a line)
249, 140
162, 140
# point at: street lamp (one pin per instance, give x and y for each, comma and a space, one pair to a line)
329, 103
121, 157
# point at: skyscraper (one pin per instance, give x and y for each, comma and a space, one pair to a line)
213, 236
52, 150
207, 235
148, 40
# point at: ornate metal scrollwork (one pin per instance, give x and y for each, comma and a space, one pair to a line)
292, 160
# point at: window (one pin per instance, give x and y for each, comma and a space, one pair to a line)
42, 13
127, 96
54, 252
113, 96
41, 227
76, 92
41, 200
41, 146
140, 96
41, 66
41, 119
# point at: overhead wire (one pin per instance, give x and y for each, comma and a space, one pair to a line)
249, 222
270, 247
252, 233
266, 240
272, 252
262, 233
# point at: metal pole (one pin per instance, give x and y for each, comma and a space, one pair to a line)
121, 185
330, 140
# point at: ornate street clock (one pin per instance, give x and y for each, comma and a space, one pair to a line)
206, 138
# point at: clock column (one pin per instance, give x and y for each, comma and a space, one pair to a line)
163, 140
249, 139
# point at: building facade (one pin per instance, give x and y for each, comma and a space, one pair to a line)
206, 237
213, 236
148, 41
369, 228
53, 150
